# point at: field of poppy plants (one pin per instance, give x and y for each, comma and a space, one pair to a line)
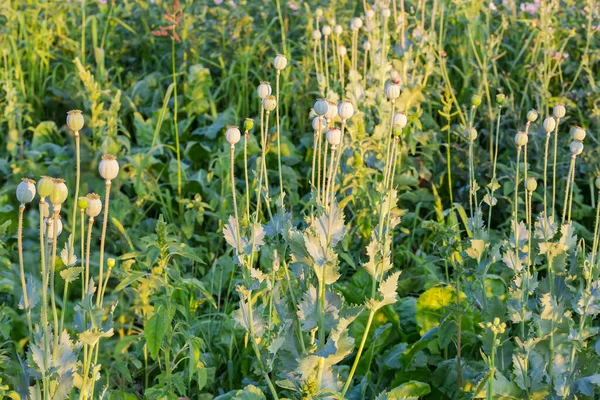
303, 199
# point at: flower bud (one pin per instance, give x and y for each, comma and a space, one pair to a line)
400, 120
50, 226
500, 97
316, 124
476, 100
559, 111
321, 107
264, 90
326, 30
549, 124
338, 30
82, 203
531, 184
392, 90
366, 45
521, 139
357, 23
332, 111
280, 62
471, 134
75, 120
110, 262
26, 191
334, 136
576, 148
233, 135
269, 103
108, 167
60, 192
316, 35
532, 115
248, 124
345, 110
342, 51
94, 205
45, 186
578, 133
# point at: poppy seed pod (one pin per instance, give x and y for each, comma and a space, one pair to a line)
342, 51
532, 115
549, 124
370, 13
500, 97
94, 205
531, 184
357, 23
578, 133
392, 90
386, 13
280, 62
476, 100
82, 203
521, 139
50, 226
75, 120
263, 90
60, 192
334, 136
559, 111
597, 183
316, 35
338, 30
345, 110
332, 111
319, 12
108, 167
471, 134
366, 45
321, 107
316, 124
326, 30
400, 120
576, 148
269, 103
45, 186
233, 135
26, 191
248, 124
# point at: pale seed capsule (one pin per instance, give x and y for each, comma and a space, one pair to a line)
50, 226
392, 90
386, 13
233, 135
597, 183
370, 13
321, 107
400, 120
75, 120
532, 115
338, 30
549, 124
326, 30
471, 134
531, 184
521, 139
366, 45
345, 110
342, 50
332, 111
316, 124
316, 35
26, 191
108, 167
94, 205
357, 23
280, 62
60, 192
334, 136
559, 111
269, 103
45, 186
264, 89
82, 203
578, 133
576, 148
319, 12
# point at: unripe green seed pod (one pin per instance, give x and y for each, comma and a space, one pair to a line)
576, 148
82, 203
319, 12
75, 120
248, 124
94, 205
269, 103
559, 111
578, 133
549, 124
60, 192
476, 100
532, 115
500, 97
45, 186
110, 262
108, 167
530, 184
521, 139
26, 191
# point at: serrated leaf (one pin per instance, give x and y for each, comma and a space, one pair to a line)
155, 330
71, 274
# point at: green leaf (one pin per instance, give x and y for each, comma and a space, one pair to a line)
129, 279
71, 274
432, 305
155, 330
409, 389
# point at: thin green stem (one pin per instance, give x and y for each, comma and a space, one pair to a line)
554, 168
278, 135
176, 126
22, 270
103, 237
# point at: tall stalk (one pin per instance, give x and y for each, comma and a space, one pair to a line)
278, 132
176, 126
22, 270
